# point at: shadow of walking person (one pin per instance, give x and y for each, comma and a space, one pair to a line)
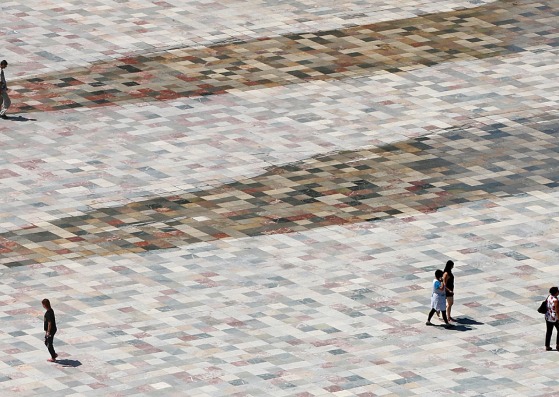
69, 363
19, 118
467, 321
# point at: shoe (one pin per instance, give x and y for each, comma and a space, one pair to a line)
429, 323
548, 348
451, 319
5, 116
51, 360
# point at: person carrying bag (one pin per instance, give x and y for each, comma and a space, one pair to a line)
552, 318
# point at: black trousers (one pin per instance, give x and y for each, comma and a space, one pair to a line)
48, 343
433, 312
549, 331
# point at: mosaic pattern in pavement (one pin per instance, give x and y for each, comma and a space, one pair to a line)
74, 161
332, 311
367, 185
313, 278
497, 29
44, 36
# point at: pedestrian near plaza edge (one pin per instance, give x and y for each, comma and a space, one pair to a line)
50, 329
438, 299
5, 101
448, 280
552, 318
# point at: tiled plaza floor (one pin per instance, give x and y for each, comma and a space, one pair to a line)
497, 29
250, 198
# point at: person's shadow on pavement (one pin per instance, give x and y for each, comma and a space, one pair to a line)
467, 321
19, 118
69, 363
463, 324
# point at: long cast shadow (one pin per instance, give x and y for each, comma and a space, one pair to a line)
467, 321
69, 363
454, 327
20, 118
460, 328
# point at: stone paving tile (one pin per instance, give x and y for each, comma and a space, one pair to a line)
320, 312
45, 36
73, 161
497, 29
320, 307
366, 185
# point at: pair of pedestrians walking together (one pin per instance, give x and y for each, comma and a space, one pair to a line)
442, 297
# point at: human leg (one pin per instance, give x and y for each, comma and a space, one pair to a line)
549, 329
445, 319
449, 303
49, 342
6, 102
556, 324
430, 316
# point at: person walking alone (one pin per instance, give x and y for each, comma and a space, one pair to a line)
552, 318
5, 101
50, 329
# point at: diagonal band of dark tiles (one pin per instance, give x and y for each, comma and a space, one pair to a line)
496, 29
405, 179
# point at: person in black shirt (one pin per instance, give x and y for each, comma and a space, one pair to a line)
448, 279
50, 329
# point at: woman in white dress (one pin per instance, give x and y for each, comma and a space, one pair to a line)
438, 299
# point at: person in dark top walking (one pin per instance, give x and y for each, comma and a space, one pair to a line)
50, 329
448, 279
5, 101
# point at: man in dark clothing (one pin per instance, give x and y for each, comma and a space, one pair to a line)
50, 329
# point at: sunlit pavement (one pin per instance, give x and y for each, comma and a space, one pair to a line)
232, 199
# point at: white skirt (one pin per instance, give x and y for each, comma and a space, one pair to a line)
438, 302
